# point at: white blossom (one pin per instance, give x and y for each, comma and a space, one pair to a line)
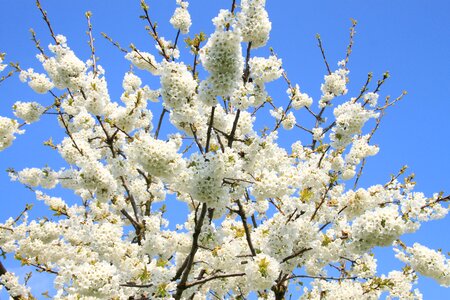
38, 82
299, 99
181, 18
335, 85
30, 112
350, 118
222, 58
8, 127
143, 61
265, 70
288, 121
15, 289
253, 21
262, 272
427, 262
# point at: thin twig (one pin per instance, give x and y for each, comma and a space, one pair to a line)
153, 32
115, 44
350, 43
47, 21
189, 285
91, 43
319, 40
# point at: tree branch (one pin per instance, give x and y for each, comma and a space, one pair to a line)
190, 258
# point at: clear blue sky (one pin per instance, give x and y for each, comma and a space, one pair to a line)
411, 39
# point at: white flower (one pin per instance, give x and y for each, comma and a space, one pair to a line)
335, 85
38, 82
401, 284
8, 127
65, 69
157, 157
222, 58
223, 19
379, 227
427, 262
92, 280
265, 69
253, 21
181, 18
277, 113
143, 61
177, 85
28, 111
317, 133
338, 290
131, 82
262, 272
299, 99
34, 177
289, 121
350, 118
371, 98
15, 289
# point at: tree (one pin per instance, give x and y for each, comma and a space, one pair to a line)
261, 218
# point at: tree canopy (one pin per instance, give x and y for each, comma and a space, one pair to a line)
262, 218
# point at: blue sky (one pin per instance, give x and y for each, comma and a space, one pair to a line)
411, 39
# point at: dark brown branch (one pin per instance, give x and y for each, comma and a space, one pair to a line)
245, 78
63, 121
161, 117
130, 218
246, 229
323, 155
323, 278
233, 6
233, 129
110, 142
295, 254
176, 42
364, 88
321, 202
44, 269
202, 281
208, 134
222, 147
440, 199
135, 285
194, 133
190, 258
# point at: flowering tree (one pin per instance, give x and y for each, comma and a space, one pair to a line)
261, 219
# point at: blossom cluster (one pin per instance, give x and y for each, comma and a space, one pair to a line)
181, 18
